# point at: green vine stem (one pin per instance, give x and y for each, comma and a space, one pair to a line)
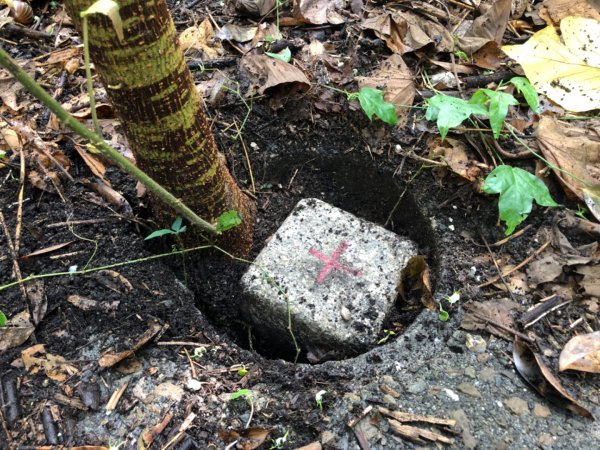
98, 144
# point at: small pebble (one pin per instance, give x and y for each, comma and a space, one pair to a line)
517, 406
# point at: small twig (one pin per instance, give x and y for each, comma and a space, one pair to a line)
17, 242
511, 237
15, 258
503, 327
247, 156
192, 368
497, 267
518, 266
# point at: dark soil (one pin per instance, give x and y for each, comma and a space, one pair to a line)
341, 158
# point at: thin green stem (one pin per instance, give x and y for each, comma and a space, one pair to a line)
98, 144
88, 75
105, 267
548, 163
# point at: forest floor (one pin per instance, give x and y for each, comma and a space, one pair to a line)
186, 349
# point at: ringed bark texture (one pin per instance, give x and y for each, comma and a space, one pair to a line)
153, 93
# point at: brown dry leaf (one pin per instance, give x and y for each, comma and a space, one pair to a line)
45, 250
63, 56
266, 73
533, 370
547, 267
248, 439
575, 151
516, 281
109, 359
311, 446
581, 353
255, 8
454, 153
460, 68
319, 12
86, 303
151, 433
406, 32
10, 87
103, 111
553, 11
396, 81
415, 277
201, 38
94, 164
482, 316
36, 294
109, 194
488, 27
89, 447
239, 33
55, 367
418, 435
114, 281
489, 56
591, 279
16, 331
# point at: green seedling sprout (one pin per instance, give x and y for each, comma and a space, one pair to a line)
284, 55
247, 394
384, 339
280, 441
319, 399
177, 228
3, 319
242, 371
199, 353
443, 315
451, 299
581, 212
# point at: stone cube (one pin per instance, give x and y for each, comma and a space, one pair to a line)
337, 273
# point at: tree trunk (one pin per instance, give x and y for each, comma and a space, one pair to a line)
153, 93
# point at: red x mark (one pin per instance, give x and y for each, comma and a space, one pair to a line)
333, 263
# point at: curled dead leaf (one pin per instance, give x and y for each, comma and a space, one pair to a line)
16, 331
267, 73
533, 370
415, 277
489, 27
318, 12
581, 353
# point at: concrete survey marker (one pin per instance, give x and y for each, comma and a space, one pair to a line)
339, 274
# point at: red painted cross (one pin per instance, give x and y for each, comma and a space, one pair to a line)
333, 263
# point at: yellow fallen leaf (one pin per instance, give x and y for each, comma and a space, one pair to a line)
566, 70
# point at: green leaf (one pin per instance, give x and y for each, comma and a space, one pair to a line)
450, 112
3, 319
241, 393
372, 102
228, 220
158, 233
526, 88
2, 154
176, 226
499, 102
443, 314
284, 55
517, 188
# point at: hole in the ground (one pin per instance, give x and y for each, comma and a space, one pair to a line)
346, 182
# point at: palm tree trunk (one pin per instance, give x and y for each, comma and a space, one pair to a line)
153, 93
